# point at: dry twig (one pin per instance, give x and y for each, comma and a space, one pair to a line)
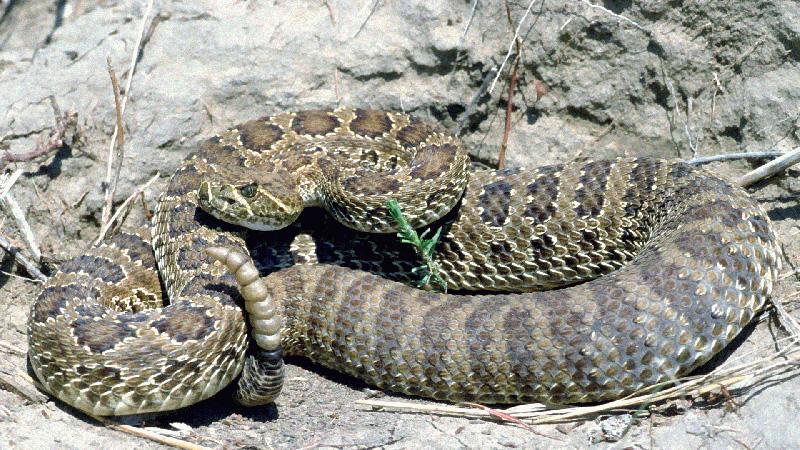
110, 183
12, 348
612, 13
330, 11
771, 168
372, 10
512, 82
150, 434
506, 417
11, 205
512, 44
29, 266
123, 208
732, 156
462, 118
116, 152
66, 124
20, 384
471, 16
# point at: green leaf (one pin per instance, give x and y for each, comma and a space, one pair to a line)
425, 247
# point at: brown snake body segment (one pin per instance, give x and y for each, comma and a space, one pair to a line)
651, 267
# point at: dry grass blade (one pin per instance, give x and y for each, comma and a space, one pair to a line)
20, 384
786, 319
123, 209
22, 225
11, 348
505, 416
732, 156
116, 152
117, 148
512, 82
473, 105
7, 181
149, 434
30, 267
12, 207
471, 16
512, 44
611, 13
372, 10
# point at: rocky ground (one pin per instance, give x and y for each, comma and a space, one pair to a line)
673, 79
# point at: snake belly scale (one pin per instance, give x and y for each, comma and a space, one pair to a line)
652, 267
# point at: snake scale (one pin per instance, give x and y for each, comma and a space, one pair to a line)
591, 279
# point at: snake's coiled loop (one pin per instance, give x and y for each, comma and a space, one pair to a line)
657, 266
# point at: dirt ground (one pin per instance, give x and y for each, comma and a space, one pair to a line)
676, 79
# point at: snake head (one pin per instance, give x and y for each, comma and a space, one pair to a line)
254, 205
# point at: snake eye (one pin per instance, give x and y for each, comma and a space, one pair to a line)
249, 190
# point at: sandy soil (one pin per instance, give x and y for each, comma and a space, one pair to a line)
672, 79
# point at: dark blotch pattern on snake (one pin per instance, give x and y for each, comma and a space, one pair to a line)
652, 267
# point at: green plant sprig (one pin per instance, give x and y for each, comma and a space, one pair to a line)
426, 248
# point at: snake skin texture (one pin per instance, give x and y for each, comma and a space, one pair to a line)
652, 266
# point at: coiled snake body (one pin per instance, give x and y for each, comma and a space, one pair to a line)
671, 263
